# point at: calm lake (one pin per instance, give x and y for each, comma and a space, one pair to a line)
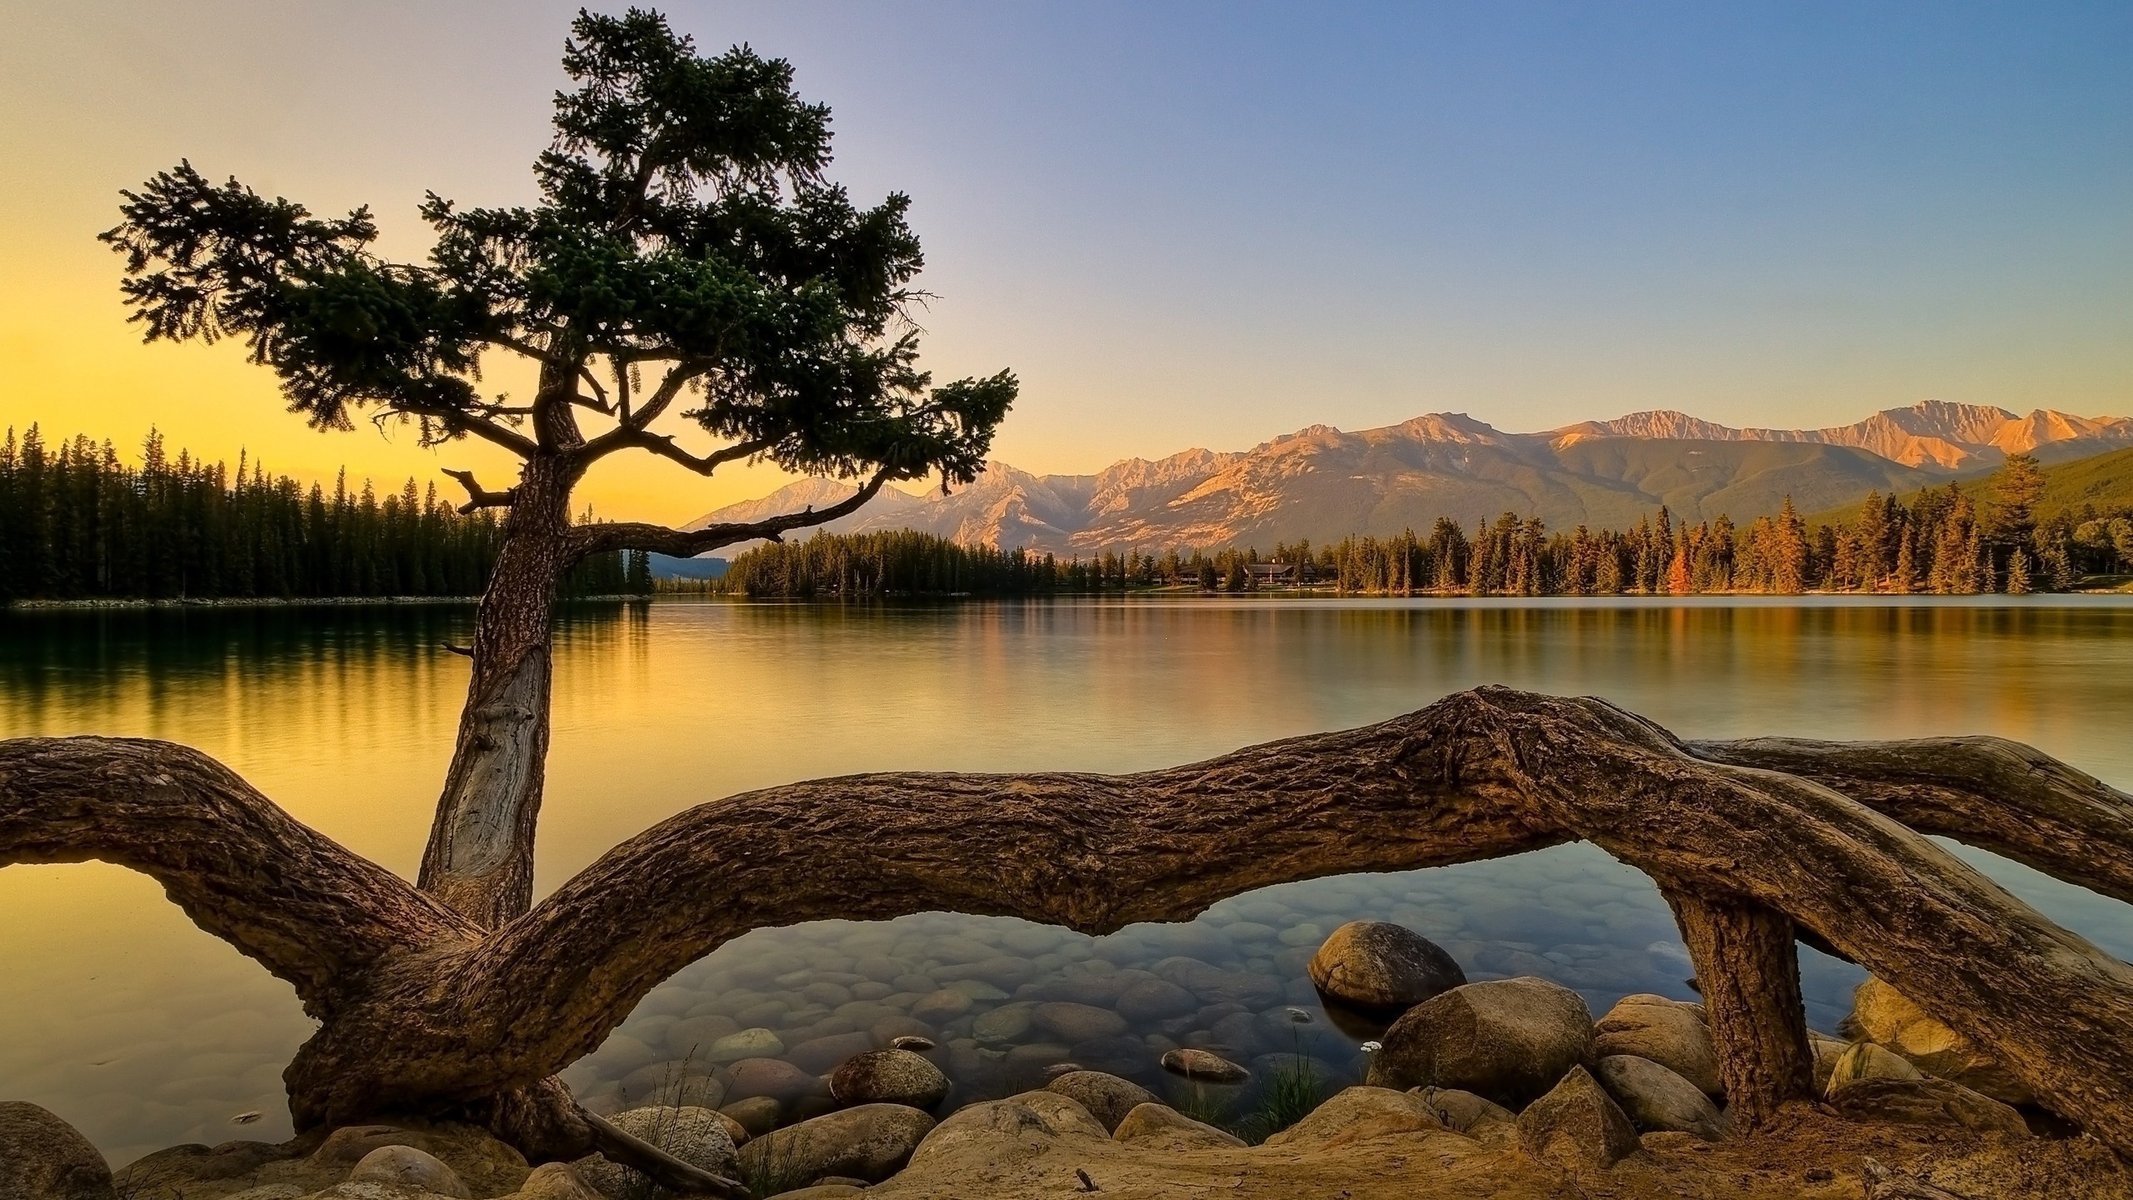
142, 1032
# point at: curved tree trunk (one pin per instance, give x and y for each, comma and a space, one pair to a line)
479, 859
421, 1010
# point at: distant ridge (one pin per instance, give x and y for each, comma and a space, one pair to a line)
1324, 483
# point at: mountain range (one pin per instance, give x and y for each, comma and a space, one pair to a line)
1324, 483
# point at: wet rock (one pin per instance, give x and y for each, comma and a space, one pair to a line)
409, 1167
868, 1142
1667, 1032
1924, 1100
43, 1156
1577, 1124
748, 1043
1658, 1100
1161, 1127
1204, 1066
1002, 1026
888, 1077
1382, 966
1882, 1014
1107, 1098
772, 1077
944, 1005
1155, 1000
1509, 1040
691, 1037
823, 1054
1865, 1060
670, 1084
1213, 985
1359, 1113
1077, 1023
917, 1043
697, 1136
757, 1115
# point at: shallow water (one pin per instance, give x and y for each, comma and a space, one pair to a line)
142, 1031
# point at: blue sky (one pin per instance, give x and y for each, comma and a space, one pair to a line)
1213, 223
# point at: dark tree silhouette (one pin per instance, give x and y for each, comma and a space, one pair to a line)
687, 257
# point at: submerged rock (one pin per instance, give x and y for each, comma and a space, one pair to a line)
1509, 1040
1381, 966
1205, 1066
43, 1156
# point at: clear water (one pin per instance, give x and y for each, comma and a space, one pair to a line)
143, 1032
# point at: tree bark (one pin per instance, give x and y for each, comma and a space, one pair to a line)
422, 1011
1749, 973
479, 859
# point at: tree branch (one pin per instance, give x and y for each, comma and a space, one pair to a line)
663, 445
1992, 793
1477, 775
307, 910
687, 543
479, 497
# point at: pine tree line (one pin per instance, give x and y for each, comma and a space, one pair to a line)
77, 523
1944, 542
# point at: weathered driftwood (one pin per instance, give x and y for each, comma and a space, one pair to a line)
422, 1009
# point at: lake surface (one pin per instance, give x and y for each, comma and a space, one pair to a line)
144, 1032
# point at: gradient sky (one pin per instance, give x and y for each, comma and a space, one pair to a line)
1198, 224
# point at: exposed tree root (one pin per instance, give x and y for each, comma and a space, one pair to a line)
424, 1011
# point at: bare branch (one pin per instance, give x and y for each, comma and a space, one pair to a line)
688, 543
479, 497
663, 445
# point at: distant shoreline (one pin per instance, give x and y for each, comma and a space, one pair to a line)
118, 605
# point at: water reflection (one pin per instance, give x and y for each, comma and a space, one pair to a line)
144, 1032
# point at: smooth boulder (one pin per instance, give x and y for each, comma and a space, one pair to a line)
1668, 1032
1382, 966
41, 1156
1159, 1126
1358, 1114
1509, 1040
1030, 1120
1882, 1014
1865, 1060
1577, 1124
1107, 1098
1658, 1100
888, 1077
409, 1167
868, 1142
1464, 1112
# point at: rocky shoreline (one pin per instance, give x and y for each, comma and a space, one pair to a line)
1499, 1084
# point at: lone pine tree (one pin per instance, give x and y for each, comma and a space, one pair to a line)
686, 258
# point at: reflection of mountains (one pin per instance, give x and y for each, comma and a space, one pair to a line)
1323, 483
